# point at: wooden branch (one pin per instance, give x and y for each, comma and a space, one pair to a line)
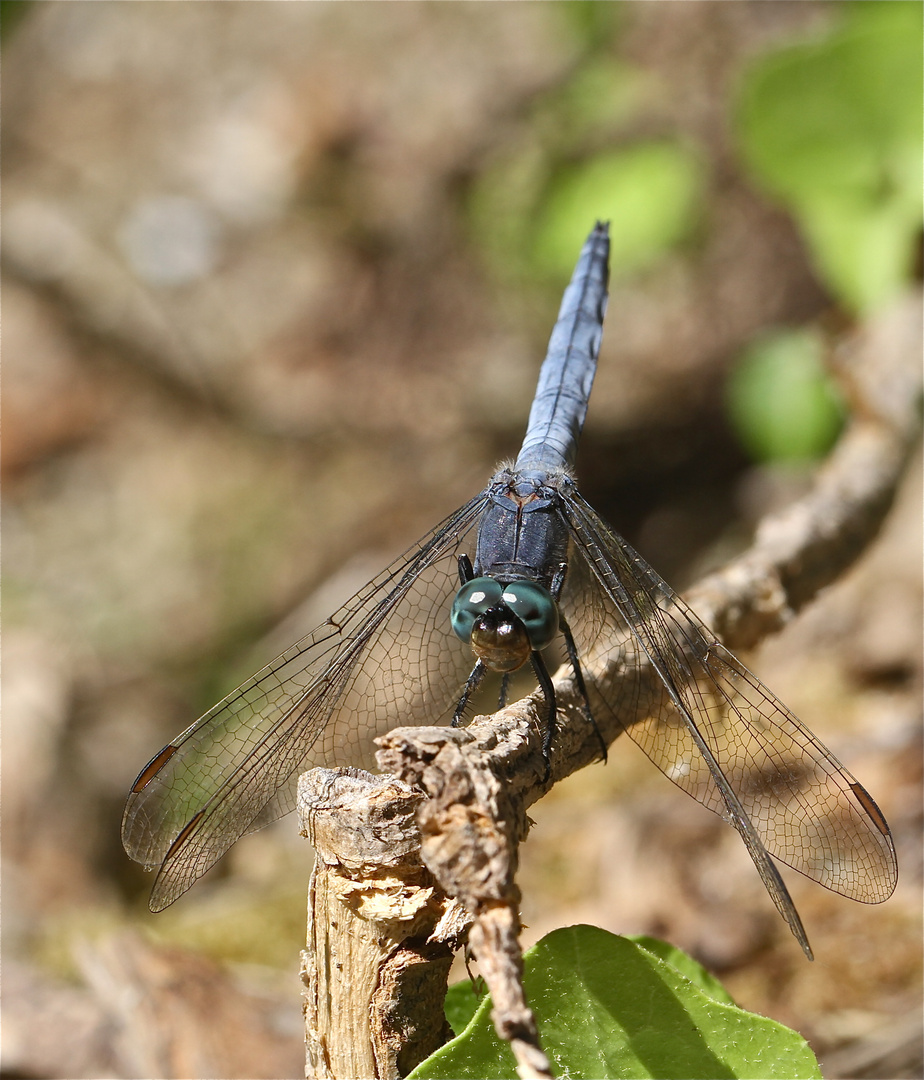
471, 825
381, 933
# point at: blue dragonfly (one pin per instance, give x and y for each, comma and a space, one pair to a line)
525, 564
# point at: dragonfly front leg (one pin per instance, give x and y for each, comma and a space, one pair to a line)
466, 570
471, 685
504, 689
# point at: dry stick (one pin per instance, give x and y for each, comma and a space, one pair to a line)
471, 824
480, 781
381, 933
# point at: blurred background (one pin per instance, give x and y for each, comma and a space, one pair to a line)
277, 281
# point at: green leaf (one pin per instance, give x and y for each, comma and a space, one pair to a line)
610, 1007
686, 965
650, 193
780, 400
833, 129
462, 1001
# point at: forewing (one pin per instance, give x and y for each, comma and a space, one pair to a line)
387, 657
806, 809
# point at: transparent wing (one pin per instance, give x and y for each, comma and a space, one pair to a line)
388, 656
714, 729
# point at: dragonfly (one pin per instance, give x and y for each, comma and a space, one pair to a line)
524, 565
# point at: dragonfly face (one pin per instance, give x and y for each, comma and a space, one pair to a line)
545, 563
504, 623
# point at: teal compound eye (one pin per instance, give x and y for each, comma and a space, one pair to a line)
473, 599
537, 611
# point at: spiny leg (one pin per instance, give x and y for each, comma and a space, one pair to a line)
548, 689
504, 688
471, 685
579, 680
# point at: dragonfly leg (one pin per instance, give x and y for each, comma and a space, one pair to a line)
471, 685
505, 686
545, 682
466, 570
579, 680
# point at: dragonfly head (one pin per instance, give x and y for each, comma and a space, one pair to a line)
504, 623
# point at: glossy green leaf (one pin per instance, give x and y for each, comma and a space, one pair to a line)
686, 965
610, 1007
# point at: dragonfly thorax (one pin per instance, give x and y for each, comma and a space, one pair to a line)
523, 534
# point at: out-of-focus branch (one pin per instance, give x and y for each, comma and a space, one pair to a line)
806, 547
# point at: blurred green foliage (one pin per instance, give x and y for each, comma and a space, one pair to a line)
833, 129
530, 209
601, 94
609, 1006
780, 401
593, 23
649, 193
571, 164
830, 127
11, 11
